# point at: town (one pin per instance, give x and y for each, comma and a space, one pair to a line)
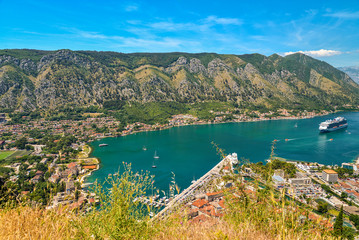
46, 162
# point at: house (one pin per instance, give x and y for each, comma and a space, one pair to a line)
211, 196
40, 173
70, 187
90, 167
36, 179
200, 203
54, 178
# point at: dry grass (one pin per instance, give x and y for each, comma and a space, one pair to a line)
211, 229
29, 223
261, 214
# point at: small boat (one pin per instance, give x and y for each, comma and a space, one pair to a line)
193, 181
103, 145
156, 156
144, 148
296, 125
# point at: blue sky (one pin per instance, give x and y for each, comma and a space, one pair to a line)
327, 30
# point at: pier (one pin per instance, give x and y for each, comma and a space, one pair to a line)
188, 193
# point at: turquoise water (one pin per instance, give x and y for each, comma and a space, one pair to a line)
187, 151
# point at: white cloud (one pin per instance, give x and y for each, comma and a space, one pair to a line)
223, 21
131, 8
170, 26
317, 53
343, 15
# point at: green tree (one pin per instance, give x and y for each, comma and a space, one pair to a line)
348, 233
77, 194
355, 220
338, 225
20, 143
322, 207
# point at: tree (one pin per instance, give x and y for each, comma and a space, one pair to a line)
348, 233
20, 143
355, 220
77, 194
343, 195
323, 207
338, 225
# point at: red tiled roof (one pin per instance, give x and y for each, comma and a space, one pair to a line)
199, 203
344, 185
72, 165
221, 203
89, 167
214, 193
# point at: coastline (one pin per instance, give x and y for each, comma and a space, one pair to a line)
219, 122
83, 179
95, 161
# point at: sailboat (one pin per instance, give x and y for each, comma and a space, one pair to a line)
153, 164
155, 157
296, 125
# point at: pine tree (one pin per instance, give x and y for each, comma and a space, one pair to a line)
338, 225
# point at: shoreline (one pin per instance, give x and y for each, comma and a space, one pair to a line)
198, 124
97, 162
209, 123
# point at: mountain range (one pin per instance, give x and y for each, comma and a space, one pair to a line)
35, 79
352, 71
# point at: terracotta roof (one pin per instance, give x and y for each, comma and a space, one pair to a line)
221, 203
226, 168
344, 185
330, 171
214, 193
199, 203
72, 165
89, 167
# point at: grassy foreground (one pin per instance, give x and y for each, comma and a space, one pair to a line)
259, 215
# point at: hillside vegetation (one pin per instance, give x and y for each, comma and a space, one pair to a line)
34, 79
267, 214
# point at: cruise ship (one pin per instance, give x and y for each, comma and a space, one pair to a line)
332, 125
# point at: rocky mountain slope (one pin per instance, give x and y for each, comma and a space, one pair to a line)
353, 72
33, 79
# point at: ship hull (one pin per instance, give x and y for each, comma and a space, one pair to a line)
333, 129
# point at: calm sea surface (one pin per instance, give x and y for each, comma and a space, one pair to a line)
187, 151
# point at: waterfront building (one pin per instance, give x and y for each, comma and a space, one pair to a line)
350, 166
330, 175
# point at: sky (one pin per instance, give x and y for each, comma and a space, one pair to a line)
327, 30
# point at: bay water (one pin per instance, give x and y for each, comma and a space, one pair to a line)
188, 152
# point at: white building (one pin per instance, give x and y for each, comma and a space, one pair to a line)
330, 175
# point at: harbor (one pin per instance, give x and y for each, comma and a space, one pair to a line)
188, 152
197, 187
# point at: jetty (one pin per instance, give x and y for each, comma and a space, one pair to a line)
188, 193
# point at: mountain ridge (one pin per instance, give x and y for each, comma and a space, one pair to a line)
36, 79
352, 71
